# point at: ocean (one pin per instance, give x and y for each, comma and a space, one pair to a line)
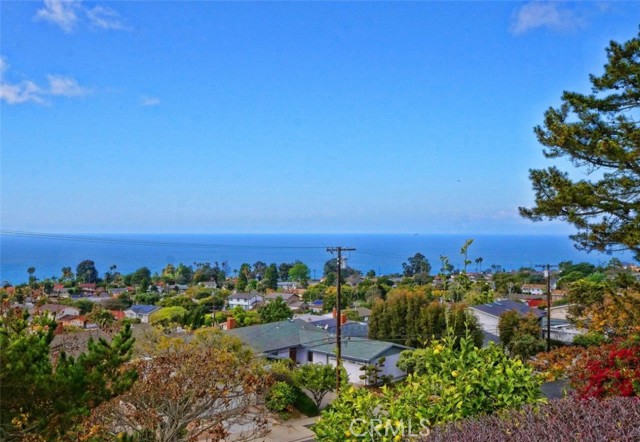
383, 253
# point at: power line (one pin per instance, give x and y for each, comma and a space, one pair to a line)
142, 242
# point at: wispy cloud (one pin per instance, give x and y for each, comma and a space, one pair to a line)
23, 92
149, 101
104, 18
557, 16
67, 14
66, 86
63, 13
27, 91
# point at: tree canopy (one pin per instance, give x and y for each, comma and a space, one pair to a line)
599, 134
45, 397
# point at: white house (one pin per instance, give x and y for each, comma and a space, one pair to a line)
247, 301
489, 314
306, 343
141, 312
534, 289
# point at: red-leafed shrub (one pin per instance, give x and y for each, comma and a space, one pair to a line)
564, 420
608, 370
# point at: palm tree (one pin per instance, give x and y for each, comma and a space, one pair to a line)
31, 271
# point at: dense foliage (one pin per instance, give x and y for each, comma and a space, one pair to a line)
412, 317
44, 395
449, 381
565, 420
520, 334
280, 396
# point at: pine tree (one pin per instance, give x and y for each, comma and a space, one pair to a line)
600, 135
45, 397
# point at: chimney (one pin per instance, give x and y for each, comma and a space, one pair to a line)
231, 322
335, 312
343, 318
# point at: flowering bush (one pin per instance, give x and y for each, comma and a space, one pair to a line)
609, 370
556, 363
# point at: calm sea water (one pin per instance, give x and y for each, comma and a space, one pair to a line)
383, 253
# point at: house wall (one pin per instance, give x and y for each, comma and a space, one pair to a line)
301, 355
488, 323
390, 364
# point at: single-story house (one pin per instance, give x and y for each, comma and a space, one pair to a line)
141, 312
247, 301
57, 311
534, 289
363, 313
87, 287
72, 320
306, 343
489, 314
117, 291
288, 286
561, 330
316, 306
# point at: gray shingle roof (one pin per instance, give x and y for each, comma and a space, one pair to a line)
499, 307
359, 349
142, 309
266, 338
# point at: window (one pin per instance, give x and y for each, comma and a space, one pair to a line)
310, 356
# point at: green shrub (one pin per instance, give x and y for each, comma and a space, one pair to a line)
451, 379
591, 339
305, 404
280, 397
167, 315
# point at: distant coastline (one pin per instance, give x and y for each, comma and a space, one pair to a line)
383, 253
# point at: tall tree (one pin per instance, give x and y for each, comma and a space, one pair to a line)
417, 264
600, 134
274, 311
86, 271
67, 273
299, 273
271, 277
243, 277
31, 271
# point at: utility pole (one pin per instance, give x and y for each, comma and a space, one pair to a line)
547, 274
339, 250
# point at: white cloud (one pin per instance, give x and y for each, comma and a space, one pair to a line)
3, 65
104, 18
23, 92
65, 86
69, 13
27, 91
545, 14
149, 101
63, 13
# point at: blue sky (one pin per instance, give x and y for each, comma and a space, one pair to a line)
286, 117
